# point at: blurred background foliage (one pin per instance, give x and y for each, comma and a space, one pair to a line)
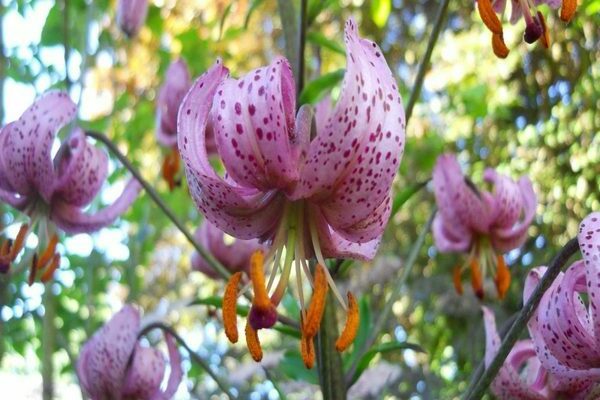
535, 113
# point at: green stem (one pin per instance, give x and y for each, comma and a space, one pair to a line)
329, 361
66, 45
289, 24
481, 385
48, 343
2, 63
435, 33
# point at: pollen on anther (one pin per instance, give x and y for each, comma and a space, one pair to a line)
253, 343
314, 314
307, 351
49, 272
229, 307
352, 321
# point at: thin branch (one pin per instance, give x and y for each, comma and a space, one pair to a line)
66, 45
527, 311
193, 355
289, 24
435, 33
301, 46
397, 287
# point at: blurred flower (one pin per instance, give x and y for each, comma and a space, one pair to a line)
244, 372
480, 223
327, 197
374, 380
131, 15
521, 376
52, 192
234, 256
113, 364
535, 24
566, 334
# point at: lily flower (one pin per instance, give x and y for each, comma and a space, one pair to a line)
522, 375
565, 332
114, 365
234, 255
131, 15
310, 194
482, 224
535, 24
52, 193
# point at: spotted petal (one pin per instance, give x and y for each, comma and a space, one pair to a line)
589, 243
245, 213
103, 361
144, 374
176, 371
27, 147
171, 94
72, 219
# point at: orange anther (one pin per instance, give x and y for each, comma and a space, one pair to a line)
257, 276
19, 242
5, 249
307, 350
476, 278
49, 272
352, 321
545, 34
456, 278
498, 45
170, 169
311, 323
489, 17
32, 270
502, 279
253, 343
229, 307
568, 10
48, 253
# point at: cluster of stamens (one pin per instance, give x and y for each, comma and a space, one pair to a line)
43, 265
170, 169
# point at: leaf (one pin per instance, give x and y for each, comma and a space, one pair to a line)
405, 195
253, 6
315, 7
316, 89
293, 367
321, 40
380, 11
224, 19
364, 362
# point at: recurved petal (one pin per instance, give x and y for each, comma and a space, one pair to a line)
72, 219
589, 244
81, 170
352, 162
516, 11
323, 112
450, 238
254, 124
242, 212
27, 147
4, 171
104, 357
177, 83
145, 374
18, 202
131, 15
499, 6
176, 374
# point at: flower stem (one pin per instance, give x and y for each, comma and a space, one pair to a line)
193, 355
435, 33
289, 24
48, 343
478, 389
397, 287
329, 362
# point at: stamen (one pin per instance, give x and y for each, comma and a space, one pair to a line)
456, 273
545, 34
307, 350
19, 242
489, 17
476, 278
263, 313
502, 279
352, 321
498, 45
568, 10
299, 279
32, 270
5, 249
253, 343
314, 314
229, 305
48, 253
49, 272
290, 251
170, 168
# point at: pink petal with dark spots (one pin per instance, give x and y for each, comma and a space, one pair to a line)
253, 122
589, 244
27, 146
72, 219
145, 374
81, 171
176, 374
449, 237
245, 213
171, 94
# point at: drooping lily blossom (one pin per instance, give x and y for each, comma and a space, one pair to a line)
535, 24
234, 255
522, 375
114, 365
52, 192
565, 332
131, 15
313, 194
482, 224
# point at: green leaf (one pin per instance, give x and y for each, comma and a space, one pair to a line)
224, 19
321, 40
293, 367
253, 6
316, 89
364, 362
380, 11
405, 195
315, 7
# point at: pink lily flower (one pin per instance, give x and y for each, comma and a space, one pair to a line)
131, 15
114, 365
53, 192
485, 225
565, 332
234, 256
321, 196
522, 375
